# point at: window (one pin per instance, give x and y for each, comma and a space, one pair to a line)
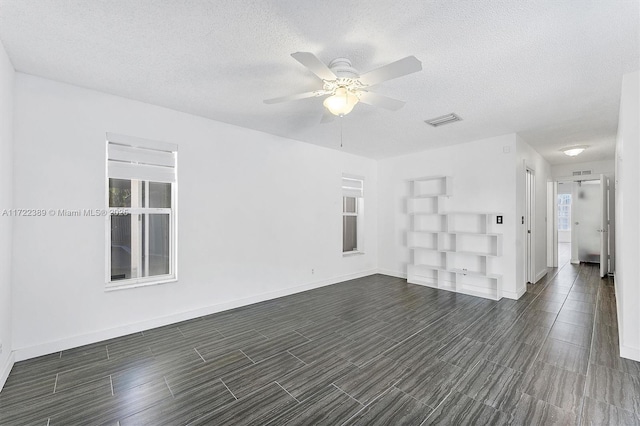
352, 214
141, 201
564, 212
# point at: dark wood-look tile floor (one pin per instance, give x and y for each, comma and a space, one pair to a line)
371, 351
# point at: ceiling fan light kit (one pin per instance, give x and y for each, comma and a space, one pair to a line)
346, 87
342, 102
572, 151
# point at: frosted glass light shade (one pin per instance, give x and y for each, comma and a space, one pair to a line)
341, 103
574, 150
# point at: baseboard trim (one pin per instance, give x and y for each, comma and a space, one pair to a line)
514, 295
630, 353
541, 274
6, 369
86, 339
392, 273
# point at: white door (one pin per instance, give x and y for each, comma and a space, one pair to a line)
529, 225
604, 229
587, 212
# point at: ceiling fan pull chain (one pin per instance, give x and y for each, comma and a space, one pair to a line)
341, 118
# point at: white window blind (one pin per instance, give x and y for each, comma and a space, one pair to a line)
352, 187
136, 158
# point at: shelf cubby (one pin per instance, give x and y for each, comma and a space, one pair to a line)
451, 250
430, 186
447, 242
424, 275
429, 223
423, 240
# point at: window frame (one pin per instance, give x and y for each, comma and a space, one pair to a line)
172, 212
561, 208
359, 214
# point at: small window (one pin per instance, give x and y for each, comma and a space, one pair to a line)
141, 225
352, 214
564, 212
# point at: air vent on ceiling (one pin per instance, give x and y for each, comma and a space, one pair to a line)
441, 121
584, 172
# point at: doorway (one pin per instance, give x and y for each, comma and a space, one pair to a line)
564, 201
581, 231
529, 221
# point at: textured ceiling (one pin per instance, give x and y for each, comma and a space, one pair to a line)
549, 70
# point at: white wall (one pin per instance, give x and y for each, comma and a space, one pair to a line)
483, 180
6, 202
256, 214
527, 157
605, 167
628, 217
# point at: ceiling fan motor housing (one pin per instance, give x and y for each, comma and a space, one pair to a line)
342, 68
347, 77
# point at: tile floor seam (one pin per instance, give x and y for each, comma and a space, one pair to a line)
379, 396
300, 334
520, 315
346, 393
453, 389
283, 388
593, 335
201, 357
289, 352
263, 335
410, 396
249, 358
382, 354
168, 387
225, 385
536, 358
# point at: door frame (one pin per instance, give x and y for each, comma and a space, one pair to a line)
552, 224
530, 225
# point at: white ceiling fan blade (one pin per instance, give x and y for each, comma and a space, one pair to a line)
377, 100
396, 69
313, 94
314, 64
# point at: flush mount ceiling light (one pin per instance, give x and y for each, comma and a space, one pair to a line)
572, 151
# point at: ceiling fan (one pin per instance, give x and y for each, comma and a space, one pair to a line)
346, 87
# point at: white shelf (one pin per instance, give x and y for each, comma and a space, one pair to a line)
468, 272
451, 250
432, 204
477, 253
427, 196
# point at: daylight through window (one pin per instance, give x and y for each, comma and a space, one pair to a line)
142, 205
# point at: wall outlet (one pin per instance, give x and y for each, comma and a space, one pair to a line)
499, 220
312, 271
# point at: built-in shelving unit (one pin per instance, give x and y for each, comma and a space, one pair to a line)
455, 251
